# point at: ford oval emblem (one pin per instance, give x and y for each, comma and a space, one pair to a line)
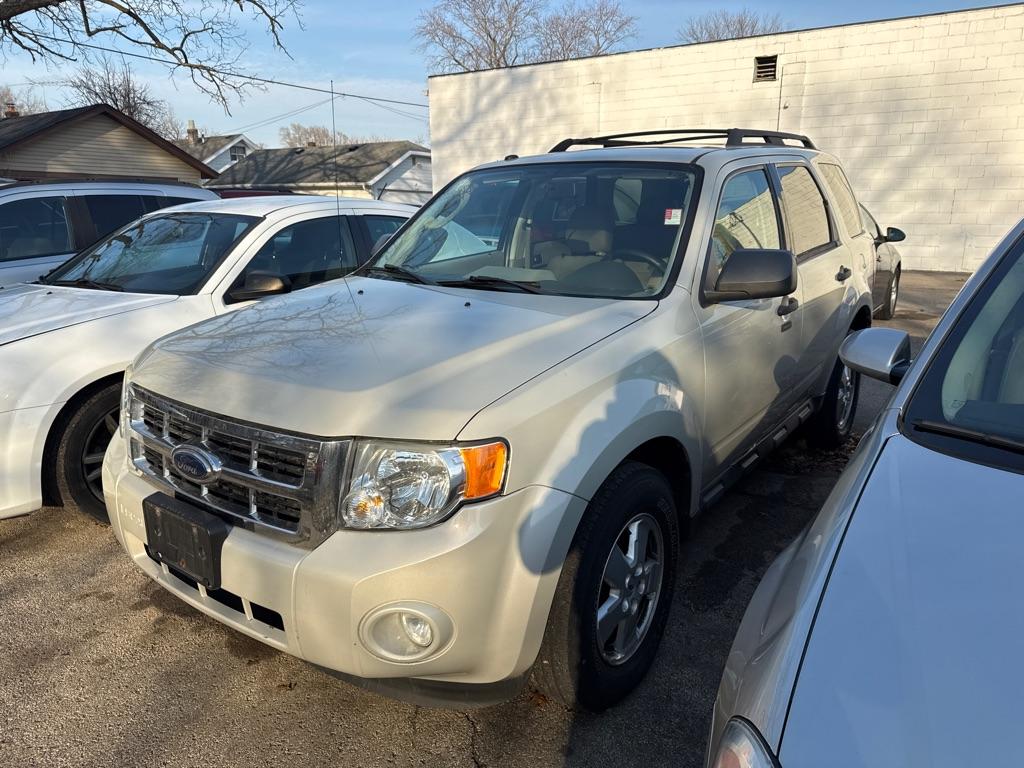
195, 463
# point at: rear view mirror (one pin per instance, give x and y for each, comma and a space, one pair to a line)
893, 235
881, 353
258, 284
755, 273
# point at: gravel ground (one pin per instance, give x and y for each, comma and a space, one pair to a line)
101, 667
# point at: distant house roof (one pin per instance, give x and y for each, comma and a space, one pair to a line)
349, 164
208, 147
15, 131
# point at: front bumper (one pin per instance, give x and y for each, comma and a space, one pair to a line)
492, 568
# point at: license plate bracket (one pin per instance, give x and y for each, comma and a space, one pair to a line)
185, 537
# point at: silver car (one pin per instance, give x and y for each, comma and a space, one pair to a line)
884, 635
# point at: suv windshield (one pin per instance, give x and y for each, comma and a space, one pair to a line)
970, 401
573, 228
171, 253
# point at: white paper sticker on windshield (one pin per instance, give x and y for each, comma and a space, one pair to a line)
673, 215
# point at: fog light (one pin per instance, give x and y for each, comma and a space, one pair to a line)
418, 630
406, 632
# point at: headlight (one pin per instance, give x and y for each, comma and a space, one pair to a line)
742, 747
402, 486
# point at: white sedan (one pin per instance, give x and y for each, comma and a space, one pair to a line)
65, 341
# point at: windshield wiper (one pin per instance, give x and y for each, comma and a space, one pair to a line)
966, 433
85, 282
484, 281
396, 270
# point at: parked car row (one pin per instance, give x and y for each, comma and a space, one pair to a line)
531, 390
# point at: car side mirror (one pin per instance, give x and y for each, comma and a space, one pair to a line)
755, 273
881, 353
380, 243
893, 235
259, 284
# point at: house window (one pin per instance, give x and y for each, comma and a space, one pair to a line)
238, 153
765, 68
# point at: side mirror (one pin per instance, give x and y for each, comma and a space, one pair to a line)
893, 235
755, 273
381, 242
258, 284
881, 353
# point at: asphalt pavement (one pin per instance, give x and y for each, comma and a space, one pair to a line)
101, 667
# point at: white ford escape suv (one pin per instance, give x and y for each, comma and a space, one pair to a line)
477, 456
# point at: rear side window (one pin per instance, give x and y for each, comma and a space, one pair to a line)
110, 212
746, 218
379, 226
806, 216
34, 227
843, 195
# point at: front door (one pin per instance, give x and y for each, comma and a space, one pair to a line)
751, 350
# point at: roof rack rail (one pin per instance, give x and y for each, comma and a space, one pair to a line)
734, 137
98, 180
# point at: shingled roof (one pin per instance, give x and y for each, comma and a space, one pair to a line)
208, 146
348, 163
19, 130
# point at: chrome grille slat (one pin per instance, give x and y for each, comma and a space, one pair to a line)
281, 484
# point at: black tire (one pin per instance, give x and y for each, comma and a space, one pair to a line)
573, 666
892, 296
828, 428
80, 455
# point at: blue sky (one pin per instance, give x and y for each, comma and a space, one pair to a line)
368, 48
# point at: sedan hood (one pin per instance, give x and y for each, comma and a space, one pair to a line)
913, 658
27, 309
375, 357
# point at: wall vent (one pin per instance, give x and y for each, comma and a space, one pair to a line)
765, 68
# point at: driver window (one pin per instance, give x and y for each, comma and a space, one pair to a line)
746, 218
307, 253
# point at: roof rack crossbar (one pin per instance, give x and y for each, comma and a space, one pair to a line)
734, 137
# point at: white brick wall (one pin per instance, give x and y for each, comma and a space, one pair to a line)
927, 114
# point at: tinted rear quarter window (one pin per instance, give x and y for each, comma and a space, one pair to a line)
37, 226
806, 216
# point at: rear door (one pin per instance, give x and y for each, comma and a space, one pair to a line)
825, 265
36, 234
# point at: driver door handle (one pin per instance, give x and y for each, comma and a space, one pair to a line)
787, 306
843, 274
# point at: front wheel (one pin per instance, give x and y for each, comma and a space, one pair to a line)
614, 593
888, 309
833, 423
80, 456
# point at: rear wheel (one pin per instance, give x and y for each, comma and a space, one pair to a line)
833, 423
614, 593
888, 309
80, 456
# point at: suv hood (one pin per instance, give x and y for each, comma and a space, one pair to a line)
381, 358
913, 658
27, 309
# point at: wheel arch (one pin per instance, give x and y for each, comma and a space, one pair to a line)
861, 318
48, 479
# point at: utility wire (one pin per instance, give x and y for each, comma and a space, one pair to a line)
269, 81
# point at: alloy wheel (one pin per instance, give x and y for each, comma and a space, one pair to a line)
630, 589
92, 455
844, 398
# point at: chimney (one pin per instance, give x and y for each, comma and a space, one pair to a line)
192, 133
10, 110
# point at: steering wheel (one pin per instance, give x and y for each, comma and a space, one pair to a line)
634, 254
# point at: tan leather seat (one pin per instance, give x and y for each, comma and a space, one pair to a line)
588, 239
1011, 388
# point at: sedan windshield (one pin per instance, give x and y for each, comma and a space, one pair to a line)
573, 228
971, 399
171, 253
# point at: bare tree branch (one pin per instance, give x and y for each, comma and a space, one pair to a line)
299, 135
466, 35
202, 37
727, 25
24, 100
115, 84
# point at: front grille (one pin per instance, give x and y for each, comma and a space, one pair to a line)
278, 483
